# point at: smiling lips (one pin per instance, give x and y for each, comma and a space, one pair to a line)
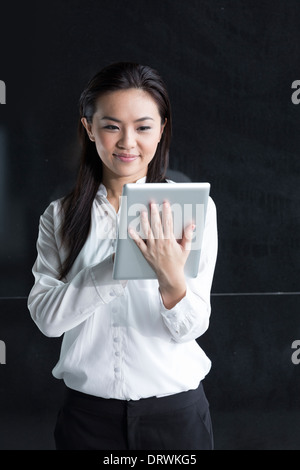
125, 157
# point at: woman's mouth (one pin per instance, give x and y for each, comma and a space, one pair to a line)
125, 157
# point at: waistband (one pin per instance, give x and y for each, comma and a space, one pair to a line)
149, 406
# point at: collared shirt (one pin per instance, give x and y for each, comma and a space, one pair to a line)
119, 341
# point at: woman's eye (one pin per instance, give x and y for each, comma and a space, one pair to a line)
111, 127
144, 128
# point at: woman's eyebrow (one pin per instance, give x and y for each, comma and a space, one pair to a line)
144, 119
109, 118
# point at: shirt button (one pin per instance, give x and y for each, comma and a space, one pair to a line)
114, 310
115, 324
111, 293
116, 339
116, 369
117, 354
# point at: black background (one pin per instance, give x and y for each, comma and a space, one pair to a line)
229, 67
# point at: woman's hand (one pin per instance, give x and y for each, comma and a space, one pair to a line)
164, 253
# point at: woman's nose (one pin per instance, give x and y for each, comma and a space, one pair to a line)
127, 140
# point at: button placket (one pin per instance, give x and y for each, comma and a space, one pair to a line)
108, 222
114, 233
116, 331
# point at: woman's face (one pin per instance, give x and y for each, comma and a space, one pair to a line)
126, 129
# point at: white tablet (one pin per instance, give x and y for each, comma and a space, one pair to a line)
188, 204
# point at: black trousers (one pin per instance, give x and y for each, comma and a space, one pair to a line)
176, 422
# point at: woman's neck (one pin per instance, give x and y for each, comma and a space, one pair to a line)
114, 188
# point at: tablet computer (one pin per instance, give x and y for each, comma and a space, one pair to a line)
188, 204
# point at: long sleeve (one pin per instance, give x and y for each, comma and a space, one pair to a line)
57, 306
189, 319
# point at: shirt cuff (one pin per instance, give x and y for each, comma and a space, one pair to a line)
177, 317
106, 287
184, 321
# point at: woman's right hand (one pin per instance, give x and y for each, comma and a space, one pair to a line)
164, 253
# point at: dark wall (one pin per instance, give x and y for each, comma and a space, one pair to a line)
229, 67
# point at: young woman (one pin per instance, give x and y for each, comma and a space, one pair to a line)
129, 358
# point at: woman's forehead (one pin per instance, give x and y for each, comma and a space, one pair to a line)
134, 101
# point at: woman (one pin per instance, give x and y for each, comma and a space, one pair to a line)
129, 358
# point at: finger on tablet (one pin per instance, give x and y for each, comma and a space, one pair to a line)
155, 221
167, 220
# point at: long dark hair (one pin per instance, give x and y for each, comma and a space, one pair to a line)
77, 205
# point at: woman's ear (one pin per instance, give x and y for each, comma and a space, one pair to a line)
88, 128
162, 128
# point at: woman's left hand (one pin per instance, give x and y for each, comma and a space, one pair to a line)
164, 253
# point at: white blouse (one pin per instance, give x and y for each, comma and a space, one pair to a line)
119, 341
